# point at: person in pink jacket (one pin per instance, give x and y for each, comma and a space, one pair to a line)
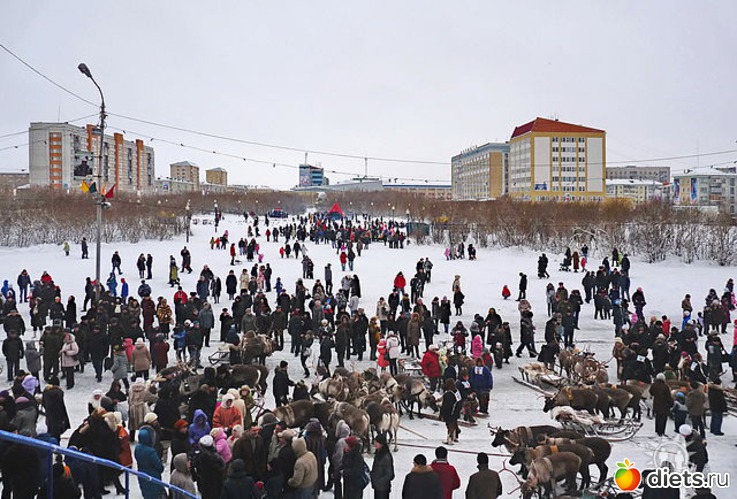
220, 440
477, 346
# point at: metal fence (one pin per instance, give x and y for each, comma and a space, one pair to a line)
52, 449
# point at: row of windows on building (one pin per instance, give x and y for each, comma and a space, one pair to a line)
569, 149
580, 140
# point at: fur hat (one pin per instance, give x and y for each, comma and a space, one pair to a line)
206, 441
685, 430
180, 424
150, 417
139, 341
287, 434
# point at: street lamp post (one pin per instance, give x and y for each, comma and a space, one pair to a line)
188, 209
393, 209
99, 199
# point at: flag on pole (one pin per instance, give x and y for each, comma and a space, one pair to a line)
84, 187
92, 188
111, 192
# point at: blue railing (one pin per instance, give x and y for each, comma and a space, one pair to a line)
55, 449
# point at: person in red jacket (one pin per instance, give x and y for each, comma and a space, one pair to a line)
449, 479
180, 295
400, 282
431, 367
343, 259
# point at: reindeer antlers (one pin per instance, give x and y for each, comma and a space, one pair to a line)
519, 481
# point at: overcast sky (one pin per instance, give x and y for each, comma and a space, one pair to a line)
417, 80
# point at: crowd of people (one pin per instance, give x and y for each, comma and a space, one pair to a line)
217, 450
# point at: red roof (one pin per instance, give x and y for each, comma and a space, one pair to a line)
551, 126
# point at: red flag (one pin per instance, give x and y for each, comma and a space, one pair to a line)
110, 193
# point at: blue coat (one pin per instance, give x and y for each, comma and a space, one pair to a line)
124, 290
481, 379
199, 427
148, 462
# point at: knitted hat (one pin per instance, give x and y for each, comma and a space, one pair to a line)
287, 434
180, 424
352, 441
660, 376
685, 430
150, 417
139, 341
206, 441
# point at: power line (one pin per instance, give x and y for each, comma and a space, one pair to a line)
39, 73
274, 164
303, 150
281, 147
21, 132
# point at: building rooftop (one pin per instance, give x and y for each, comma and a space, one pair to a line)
707, 172
184, 163
551, 126
217, 169
627, 181
424, 184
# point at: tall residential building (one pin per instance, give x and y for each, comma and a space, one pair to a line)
217, 176
311, 176
185, 170
62, 155
552, 160
480, 172
657, 173
707, 187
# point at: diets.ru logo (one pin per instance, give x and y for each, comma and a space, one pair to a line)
627, 476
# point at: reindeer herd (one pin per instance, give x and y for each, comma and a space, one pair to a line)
547, 455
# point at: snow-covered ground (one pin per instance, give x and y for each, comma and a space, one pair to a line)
664, 285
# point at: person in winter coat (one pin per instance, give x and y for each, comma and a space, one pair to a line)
717, 406
696, 404
220, 442
662, 403
181, 476
69, 358
33, 359
13, 352
239, 485
450, 410
199, 427
477, 346
393, 349
485, 483
458, 299
281, 384
449, 479
209, 469
382, 355
139, 401
227, 415
421, 482
148, 461
413, 336
20, 464
352, 468
482, 382
305, 470
52, 401
141, 359
431, 367
382, 469
207, 322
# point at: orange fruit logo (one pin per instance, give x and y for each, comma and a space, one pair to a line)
627, 476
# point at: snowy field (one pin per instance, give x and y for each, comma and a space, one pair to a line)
664, 285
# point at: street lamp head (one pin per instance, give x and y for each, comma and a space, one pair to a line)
84, 70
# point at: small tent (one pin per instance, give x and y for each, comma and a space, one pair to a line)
335, 212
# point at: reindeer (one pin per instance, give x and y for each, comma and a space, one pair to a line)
578, 398
601, 448
357, 419
525, 456
546, 471
384, 419
256, 347
335, 388
414, 392
522, 436
296, 414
